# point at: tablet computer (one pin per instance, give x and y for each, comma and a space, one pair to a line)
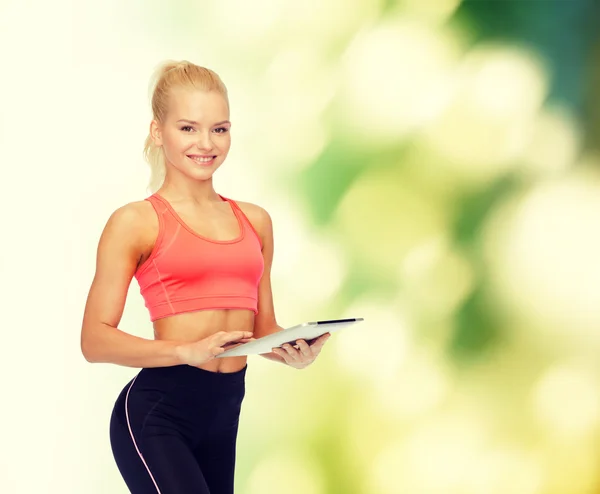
306, 331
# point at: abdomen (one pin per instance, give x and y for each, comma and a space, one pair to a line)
194, 326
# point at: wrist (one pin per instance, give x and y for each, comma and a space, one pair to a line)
180, 353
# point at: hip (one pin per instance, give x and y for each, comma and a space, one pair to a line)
184, 394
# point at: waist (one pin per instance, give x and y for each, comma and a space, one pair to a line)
194, 326
190, 377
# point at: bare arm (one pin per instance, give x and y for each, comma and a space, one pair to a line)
119, 251
265, 322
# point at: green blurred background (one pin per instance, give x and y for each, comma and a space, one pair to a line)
446, 155
430, 165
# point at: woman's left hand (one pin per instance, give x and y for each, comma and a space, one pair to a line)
304, 355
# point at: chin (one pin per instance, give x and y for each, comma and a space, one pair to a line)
202, 174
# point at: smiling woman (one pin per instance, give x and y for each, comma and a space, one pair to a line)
178, 88
203, 264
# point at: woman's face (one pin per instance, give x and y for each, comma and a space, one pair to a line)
195, 134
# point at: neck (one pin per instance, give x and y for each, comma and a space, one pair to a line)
199, 193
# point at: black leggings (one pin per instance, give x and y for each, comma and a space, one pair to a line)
173, 430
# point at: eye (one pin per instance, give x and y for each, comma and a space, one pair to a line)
224, 129
186, 127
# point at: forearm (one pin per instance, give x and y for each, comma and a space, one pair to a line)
107, 344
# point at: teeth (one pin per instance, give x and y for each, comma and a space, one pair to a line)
201, 160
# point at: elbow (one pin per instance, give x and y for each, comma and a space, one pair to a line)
87, 354
87, 348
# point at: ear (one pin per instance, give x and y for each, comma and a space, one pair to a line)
155, 133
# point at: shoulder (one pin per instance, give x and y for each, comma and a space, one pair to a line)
254, 210
134, 215
258, 216
134, 224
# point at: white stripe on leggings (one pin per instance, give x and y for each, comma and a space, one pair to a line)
133, 439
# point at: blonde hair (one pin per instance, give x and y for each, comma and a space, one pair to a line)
168, 75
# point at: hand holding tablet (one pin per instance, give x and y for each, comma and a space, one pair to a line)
308, 331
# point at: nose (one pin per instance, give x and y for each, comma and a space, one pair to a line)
204, 141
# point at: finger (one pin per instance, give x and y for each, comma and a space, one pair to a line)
229, 345
305, 349
292, 352
317, 347
236, 342
235, 335
282, 353
322, 339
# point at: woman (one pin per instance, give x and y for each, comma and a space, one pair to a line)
203, 264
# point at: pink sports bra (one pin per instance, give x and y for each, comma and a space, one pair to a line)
188, 272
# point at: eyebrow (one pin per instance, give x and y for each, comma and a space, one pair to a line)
196, 123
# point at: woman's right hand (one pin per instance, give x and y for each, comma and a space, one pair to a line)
206, 349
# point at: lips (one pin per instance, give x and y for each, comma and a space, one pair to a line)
201, 159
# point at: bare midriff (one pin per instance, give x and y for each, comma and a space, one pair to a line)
194, 326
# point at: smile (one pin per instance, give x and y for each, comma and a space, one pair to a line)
202, 159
